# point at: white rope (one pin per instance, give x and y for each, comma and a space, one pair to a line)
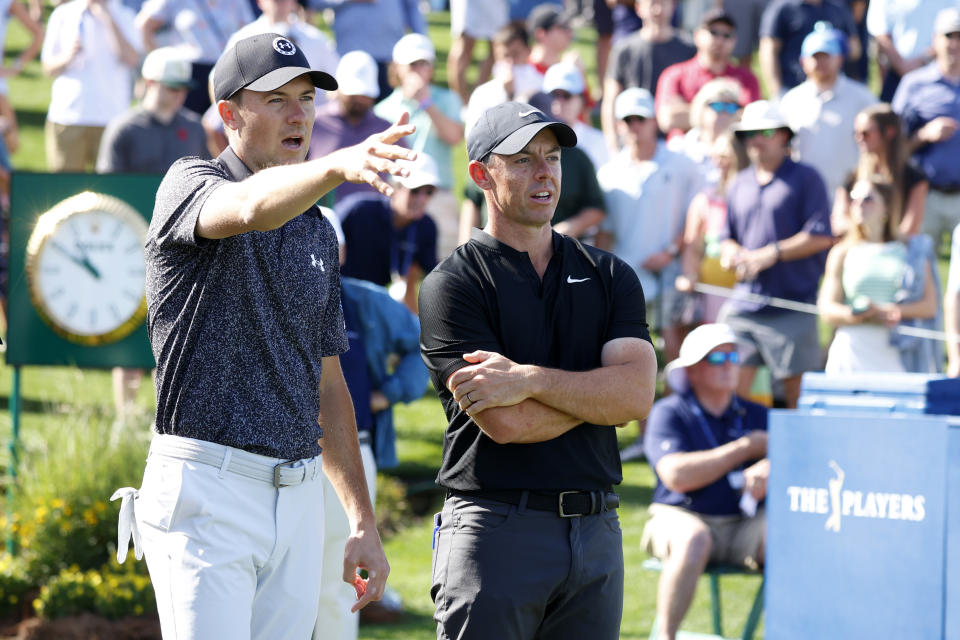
806, 307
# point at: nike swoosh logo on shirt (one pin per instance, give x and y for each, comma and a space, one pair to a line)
523, 114
572, 280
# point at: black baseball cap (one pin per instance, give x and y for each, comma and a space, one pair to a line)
262, 63
546, 16
717, 15
507, 128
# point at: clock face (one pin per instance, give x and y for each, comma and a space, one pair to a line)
85, 268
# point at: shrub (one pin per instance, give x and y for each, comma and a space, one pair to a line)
14, 586
107, 592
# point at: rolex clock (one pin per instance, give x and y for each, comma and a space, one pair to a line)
85, 268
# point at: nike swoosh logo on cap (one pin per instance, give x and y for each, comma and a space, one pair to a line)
572, 280
524, 114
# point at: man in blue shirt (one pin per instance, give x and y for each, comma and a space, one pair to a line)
928, 101
777, 234
707, 447
392, 241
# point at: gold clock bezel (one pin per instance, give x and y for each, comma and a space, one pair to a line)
47, 224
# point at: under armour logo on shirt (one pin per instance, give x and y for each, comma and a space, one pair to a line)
316, 262
284, 46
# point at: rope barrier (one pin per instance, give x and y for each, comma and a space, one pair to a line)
806, 307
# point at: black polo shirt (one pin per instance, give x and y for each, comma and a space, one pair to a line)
488, 296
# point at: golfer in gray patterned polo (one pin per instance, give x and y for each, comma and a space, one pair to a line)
243, 294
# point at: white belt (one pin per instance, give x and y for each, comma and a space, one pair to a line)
285, 473
249, 465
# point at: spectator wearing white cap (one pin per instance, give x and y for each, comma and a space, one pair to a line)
283, 17
822, 109
159, 131
567, 87
648, 190
470, 21
91, 50
775, 239
392, 241
708, 448
436, 113
348, 119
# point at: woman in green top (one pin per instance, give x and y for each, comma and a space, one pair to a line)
863, 275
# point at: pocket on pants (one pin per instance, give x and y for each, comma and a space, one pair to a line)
159, 495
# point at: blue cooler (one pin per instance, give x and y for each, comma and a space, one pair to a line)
863, 510
881, 393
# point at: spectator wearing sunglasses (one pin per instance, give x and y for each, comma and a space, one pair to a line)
875, 280
775, 239
708, 449
714, 109
822, 110
392, 241
679, 83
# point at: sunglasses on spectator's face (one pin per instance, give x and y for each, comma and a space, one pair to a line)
766, 133
717, 358
724, 107
727, 35
859, 196
424, 191
632, 119
560, 94
953, 36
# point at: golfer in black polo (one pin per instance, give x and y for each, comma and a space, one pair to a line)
539, 347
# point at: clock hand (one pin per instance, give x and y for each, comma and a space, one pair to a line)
83, 261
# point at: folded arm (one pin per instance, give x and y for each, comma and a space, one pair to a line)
517, 402
693, 470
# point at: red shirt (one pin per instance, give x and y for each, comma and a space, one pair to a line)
684, 79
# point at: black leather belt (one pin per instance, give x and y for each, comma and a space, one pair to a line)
566, 504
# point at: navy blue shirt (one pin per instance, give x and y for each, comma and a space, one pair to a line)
375, 248
923, 95
794, 200
354, 364
677, 424
789, 21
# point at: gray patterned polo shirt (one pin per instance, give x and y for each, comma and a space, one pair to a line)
238, 326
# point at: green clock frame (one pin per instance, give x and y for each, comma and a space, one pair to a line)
30, 340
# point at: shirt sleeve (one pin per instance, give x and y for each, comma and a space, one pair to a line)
665, 433
452, 322
628, 316
903, 106
109, 156
451, 105
52, 39
590, 187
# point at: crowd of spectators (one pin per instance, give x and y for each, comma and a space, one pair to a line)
731, 151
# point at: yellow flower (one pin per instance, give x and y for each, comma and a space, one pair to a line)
57, 503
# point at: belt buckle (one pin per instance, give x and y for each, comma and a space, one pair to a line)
276, 473
560, 510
